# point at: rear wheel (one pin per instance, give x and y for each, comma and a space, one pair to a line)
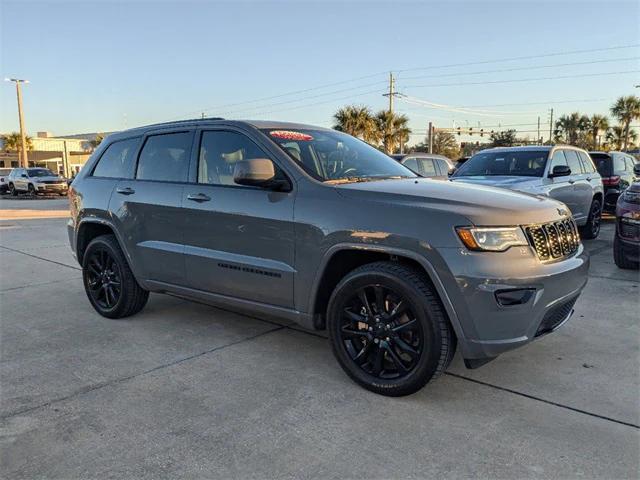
12, 190
388, 329
32, 190
109, 282
592, 228
622, 261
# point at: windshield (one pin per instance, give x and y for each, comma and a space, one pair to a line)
335, 157
40, 172
525, 163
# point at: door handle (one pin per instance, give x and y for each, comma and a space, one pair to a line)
588, 179
125, 190
571, 181
198, 197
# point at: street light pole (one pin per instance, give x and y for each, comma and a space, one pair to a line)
24, 161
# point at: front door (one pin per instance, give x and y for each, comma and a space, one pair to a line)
561, 188
148, 208
239, 240
582, 189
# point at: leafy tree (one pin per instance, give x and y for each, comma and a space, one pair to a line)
570, 128
597, 124
97, 141
506, 138
357, 121
444, 143
393, 130
618, 138
13, 142
626, 110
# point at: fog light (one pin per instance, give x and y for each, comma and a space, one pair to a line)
520, 296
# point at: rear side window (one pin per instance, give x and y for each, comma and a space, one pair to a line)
427, 168
165, 158
618, 163
573, 161
117, 160
587, 164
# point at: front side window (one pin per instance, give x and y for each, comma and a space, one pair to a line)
117, 160
527, 163
573, 161
557, 159
40, 172
165, 158
335, 157
411, 163
219, 153
427, 167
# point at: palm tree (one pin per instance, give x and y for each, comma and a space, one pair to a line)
393, 130
597, 124
13, 142
569, 127
97, 141
357, 121
618, 137
626, 110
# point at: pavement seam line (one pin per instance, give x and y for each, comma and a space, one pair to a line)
39, 258
117, 381
539, 399
12, 289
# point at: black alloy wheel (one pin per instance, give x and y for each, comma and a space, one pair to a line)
380, 332
388, 329
591, 229
103, 279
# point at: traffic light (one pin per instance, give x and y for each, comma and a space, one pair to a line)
470, 131
458, 130
482, 132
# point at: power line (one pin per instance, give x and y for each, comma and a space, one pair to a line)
548, 102
514, 69
527, 57
486, 82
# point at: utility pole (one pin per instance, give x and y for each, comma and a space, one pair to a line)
551, 127
392, 92
539, 139
430, 136
24, 161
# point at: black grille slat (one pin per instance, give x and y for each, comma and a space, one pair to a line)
554, 240
555, 317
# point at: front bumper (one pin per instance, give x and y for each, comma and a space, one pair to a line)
475, 282
53, 188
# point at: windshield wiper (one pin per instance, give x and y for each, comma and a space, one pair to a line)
338, 181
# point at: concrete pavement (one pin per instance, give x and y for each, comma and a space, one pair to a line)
188, 390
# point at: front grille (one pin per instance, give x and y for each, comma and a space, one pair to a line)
629, 230
554, 240
52, 182
555, 317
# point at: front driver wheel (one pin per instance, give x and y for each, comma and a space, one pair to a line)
388, 329
592, 228
108, 281
12, 190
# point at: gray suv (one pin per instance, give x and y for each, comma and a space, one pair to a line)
313, 225
565, 173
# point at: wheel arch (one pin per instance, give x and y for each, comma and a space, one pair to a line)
342, 258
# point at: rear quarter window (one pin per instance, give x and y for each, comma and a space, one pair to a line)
117, 160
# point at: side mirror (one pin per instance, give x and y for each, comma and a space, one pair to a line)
451, 171
24, 175
636, 169
560, 171
258, 172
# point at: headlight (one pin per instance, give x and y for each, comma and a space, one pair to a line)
631, 197
493, 239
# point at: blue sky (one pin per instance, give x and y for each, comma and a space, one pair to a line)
102, 66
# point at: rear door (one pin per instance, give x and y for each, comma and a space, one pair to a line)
582, 187
147, 208
239, 240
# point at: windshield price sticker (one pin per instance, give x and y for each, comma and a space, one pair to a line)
290, 135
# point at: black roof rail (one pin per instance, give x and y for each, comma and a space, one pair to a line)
190, 120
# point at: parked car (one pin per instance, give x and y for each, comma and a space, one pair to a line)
616, 170
35, 181
561, 172
426, 164
4, 184
626, 244
313, 225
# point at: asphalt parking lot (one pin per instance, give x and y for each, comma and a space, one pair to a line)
188, 390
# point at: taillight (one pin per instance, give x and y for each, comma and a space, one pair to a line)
611, 181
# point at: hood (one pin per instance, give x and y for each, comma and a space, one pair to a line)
512, 182
480, 204
48, 178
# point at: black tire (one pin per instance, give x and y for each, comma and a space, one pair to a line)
114, 293
12, 190
432, 342
591, 229
32, 190
619, 257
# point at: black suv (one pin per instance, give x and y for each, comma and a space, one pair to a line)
616, 170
